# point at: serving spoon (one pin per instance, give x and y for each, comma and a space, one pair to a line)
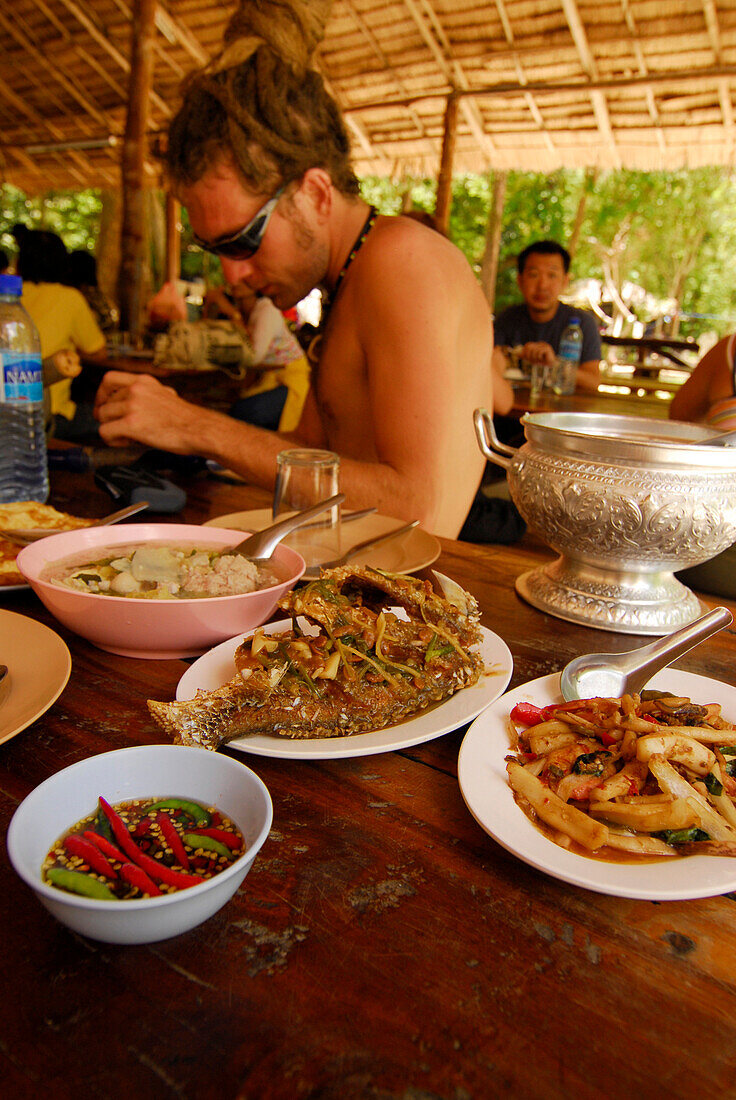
611, 675
22, 537
261, 545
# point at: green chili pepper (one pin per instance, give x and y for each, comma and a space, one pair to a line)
437, 648
713, 785
76, 882
192, 809
207, 843
684, 836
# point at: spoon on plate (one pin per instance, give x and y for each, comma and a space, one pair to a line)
23, 536
261, 545
611, 675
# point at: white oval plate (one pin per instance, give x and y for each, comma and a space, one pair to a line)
39, 665
215, 668
406, 554
485, 788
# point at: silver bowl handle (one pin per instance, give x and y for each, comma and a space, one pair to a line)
489, 443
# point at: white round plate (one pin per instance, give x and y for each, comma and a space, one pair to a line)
485, 788
216, 667
39, 665
406, 554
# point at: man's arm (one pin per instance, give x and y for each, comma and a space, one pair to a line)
503, 394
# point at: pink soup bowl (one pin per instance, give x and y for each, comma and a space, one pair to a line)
162, 628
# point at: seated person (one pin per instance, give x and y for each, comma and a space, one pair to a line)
405, 353
277, 380
709, 394
82, 274
536, 326
65, 323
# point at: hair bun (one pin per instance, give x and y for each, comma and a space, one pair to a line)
292, 29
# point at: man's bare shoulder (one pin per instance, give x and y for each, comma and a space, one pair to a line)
406, 260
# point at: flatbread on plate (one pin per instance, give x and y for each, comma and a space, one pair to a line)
24, 515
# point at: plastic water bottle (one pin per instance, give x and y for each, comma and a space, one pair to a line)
568, 357
23, 466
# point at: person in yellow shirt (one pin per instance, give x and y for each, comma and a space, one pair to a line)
66, 325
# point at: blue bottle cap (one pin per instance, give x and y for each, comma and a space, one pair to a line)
11, 284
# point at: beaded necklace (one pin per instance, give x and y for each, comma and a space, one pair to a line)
328, 302
370, 221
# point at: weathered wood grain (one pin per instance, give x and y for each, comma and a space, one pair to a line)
383, 946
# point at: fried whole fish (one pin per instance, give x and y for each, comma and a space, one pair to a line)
357, 666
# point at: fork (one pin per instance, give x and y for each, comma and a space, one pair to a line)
367, 544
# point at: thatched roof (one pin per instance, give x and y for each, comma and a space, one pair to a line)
541, 83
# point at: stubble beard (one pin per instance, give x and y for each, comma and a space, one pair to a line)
311, 266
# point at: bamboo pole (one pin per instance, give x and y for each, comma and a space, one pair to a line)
173, 238
133, 232
444, 182
489, 263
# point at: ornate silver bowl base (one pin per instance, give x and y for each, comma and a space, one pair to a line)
641, 603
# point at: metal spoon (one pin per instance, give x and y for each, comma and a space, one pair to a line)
261, 545
611, 675
725, 439
23, 537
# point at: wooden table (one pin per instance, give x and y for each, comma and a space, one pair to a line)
383, 947
644, 346
615, 404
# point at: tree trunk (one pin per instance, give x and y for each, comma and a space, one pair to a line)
108, 246
494, 225
591, 175
133, 237
444, 182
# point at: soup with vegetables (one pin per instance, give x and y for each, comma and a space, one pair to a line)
162, 572
141, 848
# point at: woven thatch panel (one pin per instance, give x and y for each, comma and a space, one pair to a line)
541, 83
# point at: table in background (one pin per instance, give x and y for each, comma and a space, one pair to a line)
383, 946
214, 388
614, 404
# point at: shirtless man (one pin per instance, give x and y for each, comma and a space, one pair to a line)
406, 352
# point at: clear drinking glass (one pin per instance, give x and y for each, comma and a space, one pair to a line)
304, 476
538, 379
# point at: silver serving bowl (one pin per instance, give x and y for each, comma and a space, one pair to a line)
625, 501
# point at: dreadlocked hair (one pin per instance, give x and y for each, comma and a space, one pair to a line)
260, 103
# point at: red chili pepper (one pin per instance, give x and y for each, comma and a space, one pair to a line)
137, 877
172, 838
78, 846
229, 839
633, 786
606, 738
527, 714
104, 845
131, 849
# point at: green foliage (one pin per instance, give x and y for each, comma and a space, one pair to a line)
74, 215
673, 233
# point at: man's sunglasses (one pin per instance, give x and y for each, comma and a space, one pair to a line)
246, 242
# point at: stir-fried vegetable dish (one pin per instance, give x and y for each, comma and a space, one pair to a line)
143, 848
650, 775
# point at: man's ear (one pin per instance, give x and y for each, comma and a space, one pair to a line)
316, 188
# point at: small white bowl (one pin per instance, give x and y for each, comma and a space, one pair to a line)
147, 771
151, 628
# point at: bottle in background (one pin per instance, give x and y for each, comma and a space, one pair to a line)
568, 358
23, 466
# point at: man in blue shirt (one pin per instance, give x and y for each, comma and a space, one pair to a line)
535, 327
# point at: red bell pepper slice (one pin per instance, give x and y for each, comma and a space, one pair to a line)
83, 849
171, 836
137, 877
151, 866
527, 714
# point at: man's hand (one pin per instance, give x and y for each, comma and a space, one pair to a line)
537, 351
137, 407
